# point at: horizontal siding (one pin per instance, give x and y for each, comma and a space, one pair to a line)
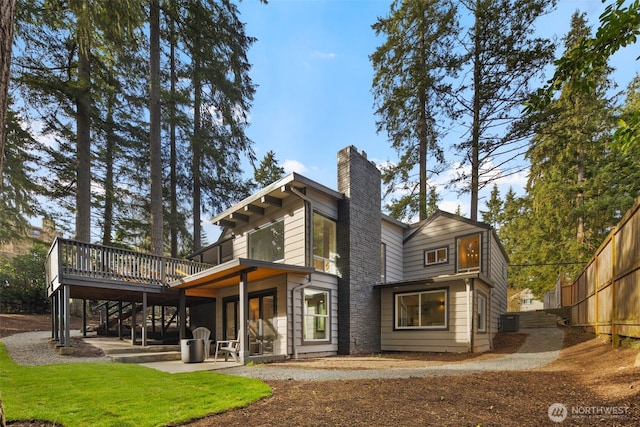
455, 339
392, 236
498, 295
294, 310
323, 204
441, 233
294, 235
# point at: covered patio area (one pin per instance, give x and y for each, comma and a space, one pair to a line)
237, 275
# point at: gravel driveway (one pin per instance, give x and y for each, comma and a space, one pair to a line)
541, 347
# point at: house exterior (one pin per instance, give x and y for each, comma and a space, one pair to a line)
302, 270
525, 300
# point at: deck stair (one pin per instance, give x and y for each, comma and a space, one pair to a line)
123, 352
537, 319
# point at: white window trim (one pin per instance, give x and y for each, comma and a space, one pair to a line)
326, 317
483, 297
436, 250
479, 267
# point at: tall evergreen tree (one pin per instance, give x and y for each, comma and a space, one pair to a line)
412, 94
19, 190
7, 11
572, 201
155, 144
504, 55
60, 46
222, 90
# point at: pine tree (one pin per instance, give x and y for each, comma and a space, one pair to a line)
503, 56
570, 193
412, 94
222, 92
268, 171
494, 208
7, 11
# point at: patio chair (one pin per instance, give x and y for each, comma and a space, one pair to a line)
202, 333
229, 347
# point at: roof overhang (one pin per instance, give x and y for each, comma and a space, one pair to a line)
206, 282
438, 279
273, 195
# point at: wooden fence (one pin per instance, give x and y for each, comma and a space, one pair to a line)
606, 295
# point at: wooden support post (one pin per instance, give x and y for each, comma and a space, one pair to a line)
120, 321
84, 318
61, 315
182, 315
144, 319
55, 319
67, 316
615, 341
133, 323
162, 322
243, 292
153, 319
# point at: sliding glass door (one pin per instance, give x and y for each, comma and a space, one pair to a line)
262, 327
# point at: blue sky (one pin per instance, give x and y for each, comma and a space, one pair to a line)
311, 65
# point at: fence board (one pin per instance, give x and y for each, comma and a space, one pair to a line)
606, 295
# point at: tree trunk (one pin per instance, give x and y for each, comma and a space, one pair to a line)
157, 247
580, 197
173, 202
196, 147
475, 130
108, 179
83, 137
7, 10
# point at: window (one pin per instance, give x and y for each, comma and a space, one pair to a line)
435, 256
469, 253
267, 243
316, 318
324, 244
383, 262
422, 310
481, 312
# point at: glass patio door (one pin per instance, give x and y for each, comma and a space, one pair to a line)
262, 332
262, 329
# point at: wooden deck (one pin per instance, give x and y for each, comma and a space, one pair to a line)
99, 272
84, 271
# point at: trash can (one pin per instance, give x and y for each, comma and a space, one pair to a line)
192, 350
509, 322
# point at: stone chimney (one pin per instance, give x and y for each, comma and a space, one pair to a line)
359, 243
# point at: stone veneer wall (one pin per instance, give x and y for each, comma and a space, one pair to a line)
359, 240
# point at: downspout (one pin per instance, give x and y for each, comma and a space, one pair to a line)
469, 289
293, 314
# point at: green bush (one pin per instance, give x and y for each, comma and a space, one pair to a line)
22, 282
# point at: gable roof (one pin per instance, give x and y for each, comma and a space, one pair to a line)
439, 214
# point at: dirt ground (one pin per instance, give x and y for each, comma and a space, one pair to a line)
598, 385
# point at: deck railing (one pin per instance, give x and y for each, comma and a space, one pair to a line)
68, 257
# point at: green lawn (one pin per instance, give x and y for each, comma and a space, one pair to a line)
117, 394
